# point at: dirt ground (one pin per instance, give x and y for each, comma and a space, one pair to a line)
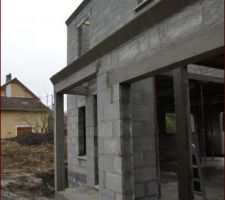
27, 171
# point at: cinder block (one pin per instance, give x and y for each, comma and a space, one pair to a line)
106, 163
113, 182
112, 147
117, 164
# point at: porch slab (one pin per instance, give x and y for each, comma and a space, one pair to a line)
81, 193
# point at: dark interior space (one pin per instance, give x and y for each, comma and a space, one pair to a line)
206, 107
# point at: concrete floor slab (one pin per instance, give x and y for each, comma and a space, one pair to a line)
81, 193
214, 181
170, 191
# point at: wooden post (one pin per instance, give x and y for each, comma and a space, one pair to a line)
184, 149
59, 162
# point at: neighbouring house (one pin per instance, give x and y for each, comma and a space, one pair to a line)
21, 110
144, 82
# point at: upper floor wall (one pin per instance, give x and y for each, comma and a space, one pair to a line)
103, 18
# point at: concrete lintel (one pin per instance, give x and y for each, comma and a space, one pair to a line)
203, 74
205, 78
181, 52
206, 70
80, 90
77, 78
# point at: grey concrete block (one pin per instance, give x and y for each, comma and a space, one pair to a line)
106, 163
117, 164
113, 182
112, 147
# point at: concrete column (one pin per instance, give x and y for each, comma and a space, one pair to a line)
144, 139
182, 107
127, 144
59, 161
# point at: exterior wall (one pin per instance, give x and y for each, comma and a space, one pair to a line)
144, 139
126, 140
11, 120
2, 92
81, 169
119, 178
18, 91
107, 17
77, 171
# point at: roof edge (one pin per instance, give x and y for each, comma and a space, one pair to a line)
15, 80
77, 11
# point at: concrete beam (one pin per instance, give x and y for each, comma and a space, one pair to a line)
205, 78
77, 78
198, 46
59, 162
203, 74
80, 90
182, 107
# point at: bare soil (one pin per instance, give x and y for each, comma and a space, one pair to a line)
27, 171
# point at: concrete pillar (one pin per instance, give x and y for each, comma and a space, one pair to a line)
127, 144
182, 107
144, 139
59, 161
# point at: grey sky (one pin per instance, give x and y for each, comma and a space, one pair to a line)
34, 40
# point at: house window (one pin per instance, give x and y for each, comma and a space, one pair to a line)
83, 37
139, 4
81, 131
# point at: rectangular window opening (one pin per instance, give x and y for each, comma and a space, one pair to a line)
171, 127
82, 131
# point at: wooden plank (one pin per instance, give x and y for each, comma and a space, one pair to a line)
184, 149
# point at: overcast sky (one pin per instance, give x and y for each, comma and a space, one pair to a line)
33, 40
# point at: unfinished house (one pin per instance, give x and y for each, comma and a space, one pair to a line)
144, 82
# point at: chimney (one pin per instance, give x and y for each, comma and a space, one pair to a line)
8, 78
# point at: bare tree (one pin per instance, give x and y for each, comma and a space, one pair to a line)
38, 121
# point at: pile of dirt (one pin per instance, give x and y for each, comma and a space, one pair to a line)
34, 139
24, 186
27, 171
26, 158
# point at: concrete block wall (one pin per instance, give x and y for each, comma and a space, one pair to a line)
117, 179
82, 169
127, 161
144, 147
107, 17
158, 37
77, 166
109, 140
91, 140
